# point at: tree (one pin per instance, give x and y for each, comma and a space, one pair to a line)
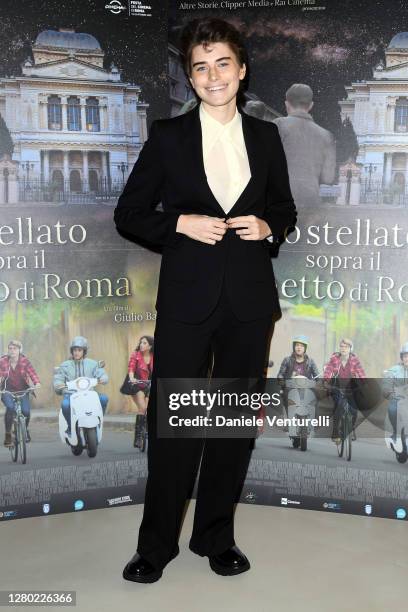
347, 144
6, 142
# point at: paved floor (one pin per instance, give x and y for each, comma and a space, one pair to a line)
301, 559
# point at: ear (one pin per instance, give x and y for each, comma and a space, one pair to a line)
242, 71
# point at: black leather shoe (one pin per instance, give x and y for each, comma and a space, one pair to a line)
232, 561
139, 569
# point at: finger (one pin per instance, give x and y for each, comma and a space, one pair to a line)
235, 224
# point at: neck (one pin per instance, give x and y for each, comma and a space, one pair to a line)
223, 113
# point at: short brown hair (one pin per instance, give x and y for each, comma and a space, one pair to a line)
211, 30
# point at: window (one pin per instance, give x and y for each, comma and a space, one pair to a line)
401, 115
92, 115
54, 113
74, 114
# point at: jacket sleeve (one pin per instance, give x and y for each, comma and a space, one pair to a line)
135, 212
327, 174
314, 369
101, 375
280, 212
59, 379
329, 369
32, 373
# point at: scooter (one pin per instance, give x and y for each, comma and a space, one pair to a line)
302, 406
86, 417
399, 446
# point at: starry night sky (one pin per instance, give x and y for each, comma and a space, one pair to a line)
137, 46
326, 49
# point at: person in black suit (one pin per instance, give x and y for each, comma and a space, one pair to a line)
222, 178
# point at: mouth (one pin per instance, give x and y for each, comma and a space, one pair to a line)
216, 88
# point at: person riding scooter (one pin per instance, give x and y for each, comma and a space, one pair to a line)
78, 365
298, 363
396, 376
16, 372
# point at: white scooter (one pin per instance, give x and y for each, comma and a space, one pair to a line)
302, 405
399, 446
86, 417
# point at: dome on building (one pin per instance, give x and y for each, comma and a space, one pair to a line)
399, 41
67, 39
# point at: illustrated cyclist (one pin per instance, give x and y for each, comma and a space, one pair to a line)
342, 366
396, 376
16, 371
78, 365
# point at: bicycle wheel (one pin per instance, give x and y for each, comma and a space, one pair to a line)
348, 422
14, 446
22, 434
340, 447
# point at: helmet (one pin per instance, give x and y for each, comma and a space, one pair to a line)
404, 349
301, 340
79, 342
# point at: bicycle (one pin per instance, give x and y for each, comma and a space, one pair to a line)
141, 430
345, 427
18, 447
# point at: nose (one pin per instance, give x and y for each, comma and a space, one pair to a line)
213, 74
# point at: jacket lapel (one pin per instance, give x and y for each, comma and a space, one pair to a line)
194, 155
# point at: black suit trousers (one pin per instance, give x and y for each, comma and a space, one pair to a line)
234, 349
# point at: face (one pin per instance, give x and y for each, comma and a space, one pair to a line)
405, 359
77, 353
299, 348
345, 348
13, 351
215, 73
144, 345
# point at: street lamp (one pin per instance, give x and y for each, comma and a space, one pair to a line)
370, 168
27, 166
123, 167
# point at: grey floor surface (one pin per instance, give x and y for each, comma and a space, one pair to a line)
301, 560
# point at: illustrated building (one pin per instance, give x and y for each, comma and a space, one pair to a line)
74, 123
378, 111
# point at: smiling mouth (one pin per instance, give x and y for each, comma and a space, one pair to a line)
216, 88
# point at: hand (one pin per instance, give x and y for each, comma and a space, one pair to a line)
132, 378
37, 385
254, 228
202, 227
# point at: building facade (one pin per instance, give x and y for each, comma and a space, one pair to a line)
77, 128
378, 111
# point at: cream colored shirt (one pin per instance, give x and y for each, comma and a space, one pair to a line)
225, 158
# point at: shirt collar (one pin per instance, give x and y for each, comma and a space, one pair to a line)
213, 129
300, 113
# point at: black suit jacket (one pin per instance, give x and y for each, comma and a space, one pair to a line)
170, 169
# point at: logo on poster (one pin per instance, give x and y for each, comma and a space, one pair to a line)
115, 7
46, 508
79, 504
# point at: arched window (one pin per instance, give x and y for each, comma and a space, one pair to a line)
93, 180
74, 114
92, 115
54, 113
57, 180
75, 183
401, 115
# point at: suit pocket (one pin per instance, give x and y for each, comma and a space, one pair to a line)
259, 265
179, 265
